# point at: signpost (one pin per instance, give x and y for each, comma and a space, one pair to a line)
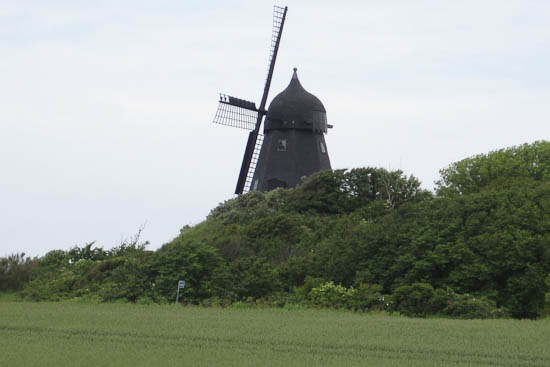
181, 285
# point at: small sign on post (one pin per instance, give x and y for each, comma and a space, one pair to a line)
181, 285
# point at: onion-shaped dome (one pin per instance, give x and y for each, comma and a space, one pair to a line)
296, 108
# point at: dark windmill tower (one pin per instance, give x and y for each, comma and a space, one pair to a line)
293, 143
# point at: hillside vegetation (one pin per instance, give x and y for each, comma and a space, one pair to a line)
362, 239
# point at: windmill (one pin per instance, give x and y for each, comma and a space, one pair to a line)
294, 126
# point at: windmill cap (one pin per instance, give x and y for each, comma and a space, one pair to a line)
295, 107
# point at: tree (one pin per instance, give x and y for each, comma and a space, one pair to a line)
198, 264
341, 191
473, 174
15, 271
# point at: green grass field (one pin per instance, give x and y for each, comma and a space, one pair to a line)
71, 334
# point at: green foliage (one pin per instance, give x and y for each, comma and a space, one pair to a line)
361, 239
491, 241
16, 271
86, 253
54, 259
127, 278
200, 265
421, 300
331, 295
414, 300
473, 174
370, 297
253, 205
55, 288
312, 282
321, 193
393, 188
340, 191
252, 277
466, 306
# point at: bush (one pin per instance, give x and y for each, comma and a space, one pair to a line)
414, 300
420, 299
369, 297
332, 295
15, 271
199, 264
466, 306
60, 287
252, 277
312, 282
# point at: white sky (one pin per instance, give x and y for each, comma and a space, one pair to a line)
106, 106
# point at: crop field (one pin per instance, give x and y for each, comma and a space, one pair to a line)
72, 334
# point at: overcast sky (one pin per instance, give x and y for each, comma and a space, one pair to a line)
106, 106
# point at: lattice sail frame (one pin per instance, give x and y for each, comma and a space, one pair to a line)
278, 18
236, 112
253, 163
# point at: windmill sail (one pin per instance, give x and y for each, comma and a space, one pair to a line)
279, 15
247, 169
253, 163
236, 112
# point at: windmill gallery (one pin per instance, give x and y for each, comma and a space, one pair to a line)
292, 144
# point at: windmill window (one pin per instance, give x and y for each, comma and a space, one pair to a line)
323, 148
281, 145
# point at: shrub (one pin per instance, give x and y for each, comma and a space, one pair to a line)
199, 264
57, 288
15, 271
414, 300
369, 297
252, 277
312, 282
332, 295
466, 306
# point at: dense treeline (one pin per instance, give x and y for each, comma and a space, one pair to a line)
367, 238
